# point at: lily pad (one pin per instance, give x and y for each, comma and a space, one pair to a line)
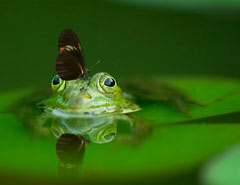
218, 96
223, 169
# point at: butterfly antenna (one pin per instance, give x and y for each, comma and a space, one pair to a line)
94, 65
89, 70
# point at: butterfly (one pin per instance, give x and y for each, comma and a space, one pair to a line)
70, 63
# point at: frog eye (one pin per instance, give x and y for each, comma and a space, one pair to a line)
104, 134
108, 84
57, 84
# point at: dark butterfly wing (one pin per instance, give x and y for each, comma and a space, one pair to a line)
67, 37
70, 63
70, 148
67, 64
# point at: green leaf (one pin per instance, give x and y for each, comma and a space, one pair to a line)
220, 96
223, 169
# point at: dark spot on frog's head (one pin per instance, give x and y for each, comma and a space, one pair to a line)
86, 113
81, 88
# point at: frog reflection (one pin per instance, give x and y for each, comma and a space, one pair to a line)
72, 134
104, 129
99, 130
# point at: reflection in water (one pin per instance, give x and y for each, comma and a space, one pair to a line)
70, 150
124, 128
72, 134
97, 129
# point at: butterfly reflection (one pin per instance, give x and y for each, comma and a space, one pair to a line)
70, 150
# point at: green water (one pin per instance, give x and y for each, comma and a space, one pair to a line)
128, 40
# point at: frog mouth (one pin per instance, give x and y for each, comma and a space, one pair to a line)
90, 112
96, 111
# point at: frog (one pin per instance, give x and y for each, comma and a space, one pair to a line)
92, 106
96, 96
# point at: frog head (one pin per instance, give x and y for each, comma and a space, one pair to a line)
96, 96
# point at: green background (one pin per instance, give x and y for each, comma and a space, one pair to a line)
169, 39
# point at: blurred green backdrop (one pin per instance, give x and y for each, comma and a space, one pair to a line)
157, 37
168, 38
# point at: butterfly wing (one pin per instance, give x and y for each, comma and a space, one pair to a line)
70, 63
70, 148
68, 66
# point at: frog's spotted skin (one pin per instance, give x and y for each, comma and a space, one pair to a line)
97, 96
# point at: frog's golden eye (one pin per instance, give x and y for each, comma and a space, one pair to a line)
57, 84
108, 84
